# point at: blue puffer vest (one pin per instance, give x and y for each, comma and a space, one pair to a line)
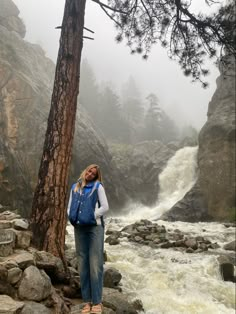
83, 204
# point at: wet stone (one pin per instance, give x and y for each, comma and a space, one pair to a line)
5, 224
7, 242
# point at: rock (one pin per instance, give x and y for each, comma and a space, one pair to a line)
35, 308
165, 245
3, 273
230, 224
8, 215
6, 288
9, 263
189, 250
111, 277
112, 240
73, 289
58, 302
191, 243
21, 224
7, 242
5, 224
191, 208
9, 306
35, 285
23, 259
14, 275
227, 272
23, 239
203, 247
118, 302
227, 258
71, 292
231, 246
75, 263
52, 265
214, 245
150, 159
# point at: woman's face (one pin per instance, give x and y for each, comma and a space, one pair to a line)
91, 174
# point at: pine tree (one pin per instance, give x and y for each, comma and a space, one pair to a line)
188, 37
153, 119
48, 218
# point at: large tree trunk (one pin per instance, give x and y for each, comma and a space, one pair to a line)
48, 219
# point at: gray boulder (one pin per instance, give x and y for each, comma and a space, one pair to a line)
35, 285
111, 277
231, 246
192, 208
35, 308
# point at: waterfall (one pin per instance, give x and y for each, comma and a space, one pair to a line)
176, 179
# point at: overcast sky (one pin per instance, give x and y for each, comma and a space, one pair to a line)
113, 62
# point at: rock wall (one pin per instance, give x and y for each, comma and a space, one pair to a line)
213, 196
216, 158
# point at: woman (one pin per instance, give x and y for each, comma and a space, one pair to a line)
87, 205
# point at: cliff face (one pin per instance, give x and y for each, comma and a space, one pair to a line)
25, 85
213, 196
216, 158
26, 81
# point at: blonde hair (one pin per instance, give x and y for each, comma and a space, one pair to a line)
82, 182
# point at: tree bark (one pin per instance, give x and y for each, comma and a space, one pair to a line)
48, 217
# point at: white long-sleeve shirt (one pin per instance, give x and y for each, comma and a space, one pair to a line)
99, 211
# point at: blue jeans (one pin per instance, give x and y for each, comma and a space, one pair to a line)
89, 243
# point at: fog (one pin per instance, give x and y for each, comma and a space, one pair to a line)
184, 101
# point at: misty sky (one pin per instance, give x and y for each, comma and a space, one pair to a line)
187, 102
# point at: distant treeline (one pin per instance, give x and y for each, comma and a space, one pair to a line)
126, 118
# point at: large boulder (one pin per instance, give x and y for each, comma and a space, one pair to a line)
35, 285
191, 208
